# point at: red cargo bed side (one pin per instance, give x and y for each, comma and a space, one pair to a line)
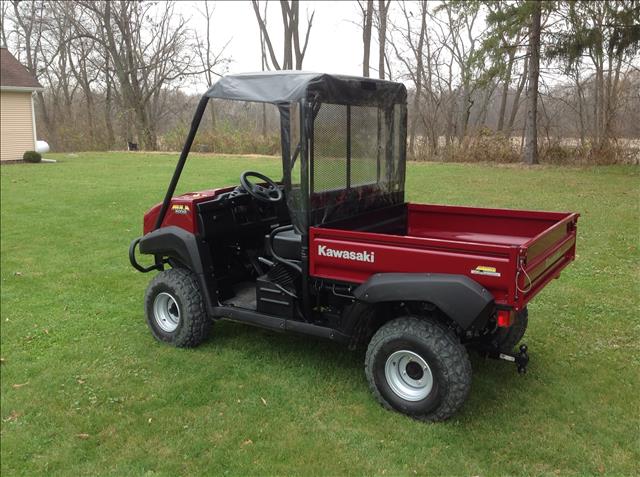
495, 247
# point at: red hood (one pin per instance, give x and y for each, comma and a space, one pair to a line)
181, 211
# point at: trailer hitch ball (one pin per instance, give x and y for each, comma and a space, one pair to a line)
522, 360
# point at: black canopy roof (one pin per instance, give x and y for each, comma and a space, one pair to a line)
282, 87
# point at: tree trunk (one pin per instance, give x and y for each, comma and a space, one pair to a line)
580, 95
516, 99
366, 38
289, 25
382, 35
418, 80
264, 120
531, 146
144, 129
505, 91
47, 119
212, 110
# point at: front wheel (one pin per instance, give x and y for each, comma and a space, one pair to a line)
175, 309
418, 367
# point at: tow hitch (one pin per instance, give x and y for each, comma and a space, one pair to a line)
521, 358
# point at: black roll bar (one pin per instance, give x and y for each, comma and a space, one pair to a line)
195, 124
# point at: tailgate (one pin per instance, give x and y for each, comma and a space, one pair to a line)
542, 258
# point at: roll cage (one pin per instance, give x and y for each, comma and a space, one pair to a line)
325, 121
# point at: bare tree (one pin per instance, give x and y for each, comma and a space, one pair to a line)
148, 49
292, 47
113, 70
4, 14
383, 10
209, 59
367, 23
416, 73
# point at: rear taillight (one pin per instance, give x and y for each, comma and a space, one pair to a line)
505, 318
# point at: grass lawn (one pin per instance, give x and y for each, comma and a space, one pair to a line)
87, 391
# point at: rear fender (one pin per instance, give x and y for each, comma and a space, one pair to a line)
459, 297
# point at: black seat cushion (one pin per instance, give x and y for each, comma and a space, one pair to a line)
287, 244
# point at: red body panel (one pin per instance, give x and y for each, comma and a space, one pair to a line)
518, 252
181, 212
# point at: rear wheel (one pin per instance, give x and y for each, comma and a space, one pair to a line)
418, 367
175, 310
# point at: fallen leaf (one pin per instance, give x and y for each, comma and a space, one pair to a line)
17, 274
263, 401
12, 417
46, 331
247, 442
83, 436
18, 386
81, 381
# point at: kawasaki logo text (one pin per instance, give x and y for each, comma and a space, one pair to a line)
369, 257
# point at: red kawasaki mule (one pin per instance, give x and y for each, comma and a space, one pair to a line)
334, 250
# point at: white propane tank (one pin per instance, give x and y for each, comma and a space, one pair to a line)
42, 147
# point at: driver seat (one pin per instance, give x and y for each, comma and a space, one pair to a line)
287, 244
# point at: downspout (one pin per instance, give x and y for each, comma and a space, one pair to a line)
33, 121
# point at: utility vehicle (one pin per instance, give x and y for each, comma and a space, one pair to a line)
334, 250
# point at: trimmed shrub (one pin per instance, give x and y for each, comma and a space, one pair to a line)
32, 156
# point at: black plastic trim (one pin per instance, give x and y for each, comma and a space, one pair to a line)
173, 242
134, 261
462, 299
278, 324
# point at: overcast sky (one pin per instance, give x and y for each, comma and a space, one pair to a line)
335, 45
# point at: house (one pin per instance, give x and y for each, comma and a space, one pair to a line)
17, 118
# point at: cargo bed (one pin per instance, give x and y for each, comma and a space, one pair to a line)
513, 253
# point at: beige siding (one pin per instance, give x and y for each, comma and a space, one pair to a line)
16, 125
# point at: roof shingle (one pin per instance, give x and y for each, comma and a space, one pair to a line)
13, 74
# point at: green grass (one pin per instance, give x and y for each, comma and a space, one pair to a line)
100, 396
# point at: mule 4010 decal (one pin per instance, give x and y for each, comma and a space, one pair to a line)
180, 209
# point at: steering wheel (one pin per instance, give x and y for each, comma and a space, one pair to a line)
273, 193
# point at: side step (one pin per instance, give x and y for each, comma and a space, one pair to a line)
270, 322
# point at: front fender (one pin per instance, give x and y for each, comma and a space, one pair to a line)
462, 299
177, 243
173, 242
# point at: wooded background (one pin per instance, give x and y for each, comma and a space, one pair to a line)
528, 81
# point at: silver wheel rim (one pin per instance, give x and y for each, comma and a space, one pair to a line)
166, 312
408, 375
